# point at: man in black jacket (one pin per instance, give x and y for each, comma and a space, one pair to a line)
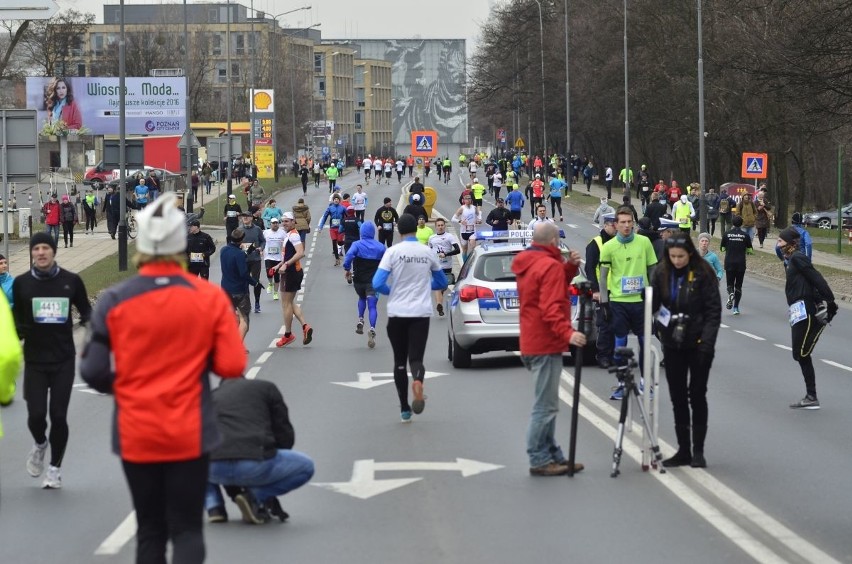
199, 247
112, 209
605, 338
254, 462
655, 210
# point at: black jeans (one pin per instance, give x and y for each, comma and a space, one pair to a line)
407, 337
169, 501
805, 335
687, 372
55, 379
254, 272
68, 231
735, 276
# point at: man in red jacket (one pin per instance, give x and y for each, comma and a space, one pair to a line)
546, 333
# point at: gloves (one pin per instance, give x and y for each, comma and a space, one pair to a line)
607, 312
832, 311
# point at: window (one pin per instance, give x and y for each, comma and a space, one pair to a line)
97, 44
222, 73
359, 117
319, 87
216, 44
212, 15
359, 98
240, 40
318, 60
359, 75
81, 69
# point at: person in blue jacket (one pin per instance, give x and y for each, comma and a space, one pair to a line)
806, 244
515, 200
334, 213
6, 280
710, 256
361, 263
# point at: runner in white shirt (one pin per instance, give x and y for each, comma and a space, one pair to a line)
377, 170
468, 217
400, 169
359, 202
317, 173
388, 170
497, 183
445, 246
472, 168
407, 273
541, 217
272, 255
368, 168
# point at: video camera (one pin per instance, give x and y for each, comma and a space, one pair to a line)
624, 370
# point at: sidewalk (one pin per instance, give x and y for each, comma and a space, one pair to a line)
820, 258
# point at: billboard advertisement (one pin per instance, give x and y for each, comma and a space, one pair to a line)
153, 106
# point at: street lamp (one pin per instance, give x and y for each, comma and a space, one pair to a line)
541, 42
702, 173
626, 120
567, 93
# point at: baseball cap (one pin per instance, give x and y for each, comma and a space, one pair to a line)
232, 197
245, 214
288, 215
274, 220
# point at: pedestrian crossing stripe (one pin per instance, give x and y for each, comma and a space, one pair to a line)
755, 165
424, 143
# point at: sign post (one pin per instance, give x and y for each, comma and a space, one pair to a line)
755, 166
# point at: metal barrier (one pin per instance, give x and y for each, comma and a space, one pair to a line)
651, 370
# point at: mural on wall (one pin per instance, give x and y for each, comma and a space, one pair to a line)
428, 79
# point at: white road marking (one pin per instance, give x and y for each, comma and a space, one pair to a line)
122, 534
785, 347
836, 364
263, 357
723, 326
251, 373
749, 335
710, 513
272, 344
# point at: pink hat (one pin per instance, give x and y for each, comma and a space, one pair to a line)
65, 197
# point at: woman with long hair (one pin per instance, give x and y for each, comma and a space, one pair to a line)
688, 312
59, 101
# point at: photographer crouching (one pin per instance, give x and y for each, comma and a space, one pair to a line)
688, 312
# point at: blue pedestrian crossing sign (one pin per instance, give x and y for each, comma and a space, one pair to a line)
424, 143
754, 165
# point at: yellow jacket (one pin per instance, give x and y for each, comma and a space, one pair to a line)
10, 354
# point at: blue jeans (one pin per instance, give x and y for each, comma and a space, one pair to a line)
752, 233
541, 442
53, 231
275, 476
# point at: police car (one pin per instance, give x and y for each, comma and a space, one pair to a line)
483, 307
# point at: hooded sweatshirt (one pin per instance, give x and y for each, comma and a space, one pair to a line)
364, 255
545, 316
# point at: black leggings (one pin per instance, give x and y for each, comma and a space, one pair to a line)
688, 391
386, 237
254, 272
169, 502
555, 203
407, 337
57, 380
90, 220
805, 336
68, 231
735, 276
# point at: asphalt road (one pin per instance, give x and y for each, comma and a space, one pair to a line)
453, 486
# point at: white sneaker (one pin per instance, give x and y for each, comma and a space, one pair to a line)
35, 460
52, 480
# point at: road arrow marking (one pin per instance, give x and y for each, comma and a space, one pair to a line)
366, 379
364, 484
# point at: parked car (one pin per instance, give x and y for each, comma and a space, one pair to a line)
828, 219
97, 177
131, 175
484, 308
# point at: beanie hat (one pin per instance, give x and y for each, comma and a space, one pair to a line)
737, 221
407, 224
42, 237
162, 227
704, 236
789, 235
797, 218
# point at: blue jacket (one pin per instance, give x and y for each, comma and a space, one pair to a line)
365, 253
6, 280
334, 211
235, 275
516, 200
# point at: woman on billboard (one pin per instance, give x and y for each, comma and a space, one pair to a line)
59, 101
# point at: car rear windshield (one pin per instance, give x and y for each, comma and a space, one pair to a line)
496, 267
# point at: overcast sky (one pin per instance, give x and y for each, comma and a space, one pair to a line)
366, 19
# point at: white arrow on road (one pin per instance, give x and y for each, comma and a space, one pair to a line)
364, 484
366, 380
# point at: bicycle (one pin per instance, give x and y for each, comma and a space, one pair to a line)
130, 223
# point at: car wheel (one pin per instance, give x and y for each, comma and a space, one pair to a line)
98, 184
461, 357
824, 223
449, 347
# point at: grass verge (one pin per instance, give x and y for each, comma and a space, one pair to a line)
104, 274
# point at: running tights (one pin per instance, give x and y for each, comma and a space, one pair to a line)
407, 336
370, 303
55, 379
805, 335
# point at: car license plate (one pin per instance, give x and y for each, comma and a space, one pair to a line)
512, 303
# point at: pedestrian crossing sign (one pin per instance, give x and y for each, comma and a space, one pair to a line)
424, 143
754, 165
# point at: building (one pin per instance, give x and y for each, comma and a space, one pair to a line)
373, 108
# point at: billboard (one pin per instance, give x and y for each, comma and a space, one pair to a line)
153, 106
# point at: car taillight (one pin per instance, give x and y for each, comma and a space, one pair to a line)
573, 290
470, 293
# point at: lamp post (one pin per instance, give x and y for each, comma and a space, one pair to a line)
541, 46
626, 120
702, 172
567, 93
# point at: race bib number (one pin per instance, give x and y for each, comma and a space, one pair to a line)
797, 312
51, 310
335, 222
232, 214
196, 257
273, 250
632, 285
387, 226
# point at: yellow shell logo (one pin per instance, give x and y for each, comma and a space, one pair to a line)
262, 101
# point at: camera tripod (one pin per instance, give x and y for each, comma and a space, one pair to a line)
631, 388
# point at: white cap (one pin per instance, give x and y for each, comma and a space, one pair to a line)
162, 227
476, 180
683, 198
288, 215
415, 198
538, 176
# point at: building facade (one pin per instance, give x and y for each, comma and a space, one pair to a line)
373, 108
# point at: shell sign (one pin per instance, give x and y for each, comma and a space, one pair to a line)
262, 101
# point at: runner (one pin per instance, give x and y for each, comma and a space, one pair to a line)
291, 282
415, 269
557, 185
199, 247
478, 190
385, 220
447, 165
317, 174
43, 298
377, 170
368, 169
468, 217
445, 246
359, 202
363, 257
334, 213
332, 173
272, 255
400, 169
236, 279
253, 243
497, 182
388, 170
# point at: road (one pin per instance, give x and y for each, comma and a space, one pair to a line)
454, 485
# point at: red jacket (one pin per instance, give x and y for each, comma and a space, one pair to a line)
165, 331
71, 116
543, 280
51, 213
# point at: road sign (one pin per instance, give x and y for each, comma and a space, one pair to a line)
28, 9
519, 143
188, 139
217, 148
424, 143
755, 165
326, 151
367, 380
364, 485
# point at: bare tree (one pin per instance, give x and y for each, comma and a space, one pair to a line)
50, 45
